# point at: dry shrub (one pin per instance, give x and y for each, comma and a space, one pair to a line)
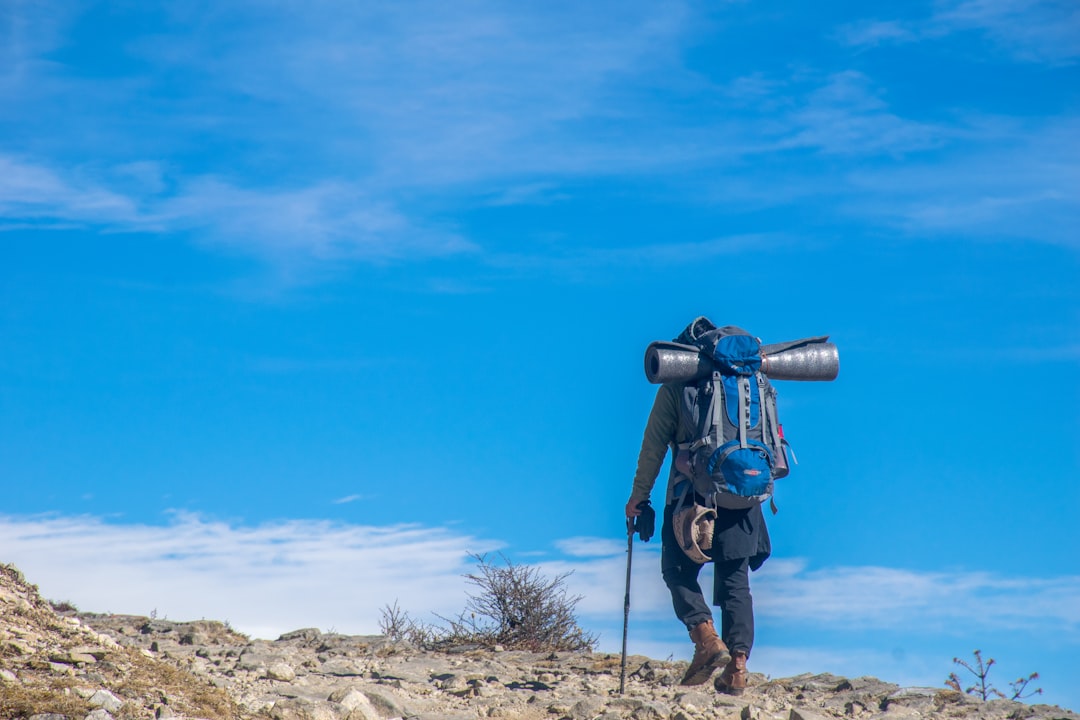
982, 687
515, 606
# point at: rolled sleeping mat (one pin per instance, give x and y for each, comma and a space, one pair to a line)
808, 359
667, 362
817, 360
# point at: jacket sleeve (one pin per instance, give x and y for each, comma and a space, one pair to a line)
659, 434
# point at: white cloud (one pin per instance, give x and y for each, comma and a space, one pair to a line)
322, 222
378, 122
876, 597
1039, 30
1016, 181
1045, 31
847, 598
875, 32
29, 191
846, 115
265, 580
590, 547
429, 95
277, 576
570, 260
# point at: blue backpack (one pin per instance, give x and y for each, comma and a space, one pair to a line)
738, 448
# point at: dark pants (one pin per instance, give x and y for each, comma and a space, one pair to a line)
731, 591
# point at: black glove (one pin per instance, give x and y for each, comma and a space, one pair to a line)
645, 523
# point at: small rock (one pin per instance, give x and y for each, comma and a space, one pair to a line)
73, 658
915, 692
8, 676
305, 634
340, 667
281, 672
750, 712
194, 637
48, 716
693, 701
450, 682
99, 714
385, 704
652, 711
626, 705
562, 709
804, 714
349, 698
911, 697
97, 652
105, 700
164, 712
586, 709
155, 626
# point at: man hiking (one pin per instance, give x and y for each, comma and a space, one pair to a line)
739, 543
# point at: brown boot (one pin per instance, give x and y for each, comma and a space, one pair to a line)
710, 652
733, 679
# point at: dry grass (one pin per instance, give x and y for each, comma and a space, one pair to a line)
55, 696
152, 682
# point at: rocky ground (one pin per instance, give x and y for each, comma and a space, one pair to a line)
81, 666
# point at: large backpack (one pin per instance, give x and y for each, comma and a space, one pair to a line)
737, 450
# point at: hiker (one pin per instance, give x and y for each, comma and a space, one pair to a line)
740, 543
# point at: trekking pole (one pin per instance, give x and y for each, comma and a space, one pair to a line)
644, 525
626, 601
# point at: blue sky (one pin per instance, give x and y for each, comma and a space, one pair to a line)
303, 302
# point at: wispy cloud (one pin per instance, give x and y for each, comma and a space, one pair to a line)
359, 133
876, 32
573, 261
1045, 31
851, 598
325, 221
30, 191
1021, 182
846, 115
1040, 31
876, 597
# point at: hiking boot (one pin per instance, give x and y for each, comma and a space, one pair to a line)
733, 679
710, 652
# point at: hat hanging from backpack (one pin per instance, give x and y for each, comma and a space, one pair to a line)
694, 525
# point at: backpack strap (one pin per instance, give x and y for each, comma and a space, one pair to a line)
744, 410
716, 407
771, 431
705, 416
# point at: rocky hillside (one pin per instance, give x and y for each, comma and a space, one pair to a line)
69, 666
